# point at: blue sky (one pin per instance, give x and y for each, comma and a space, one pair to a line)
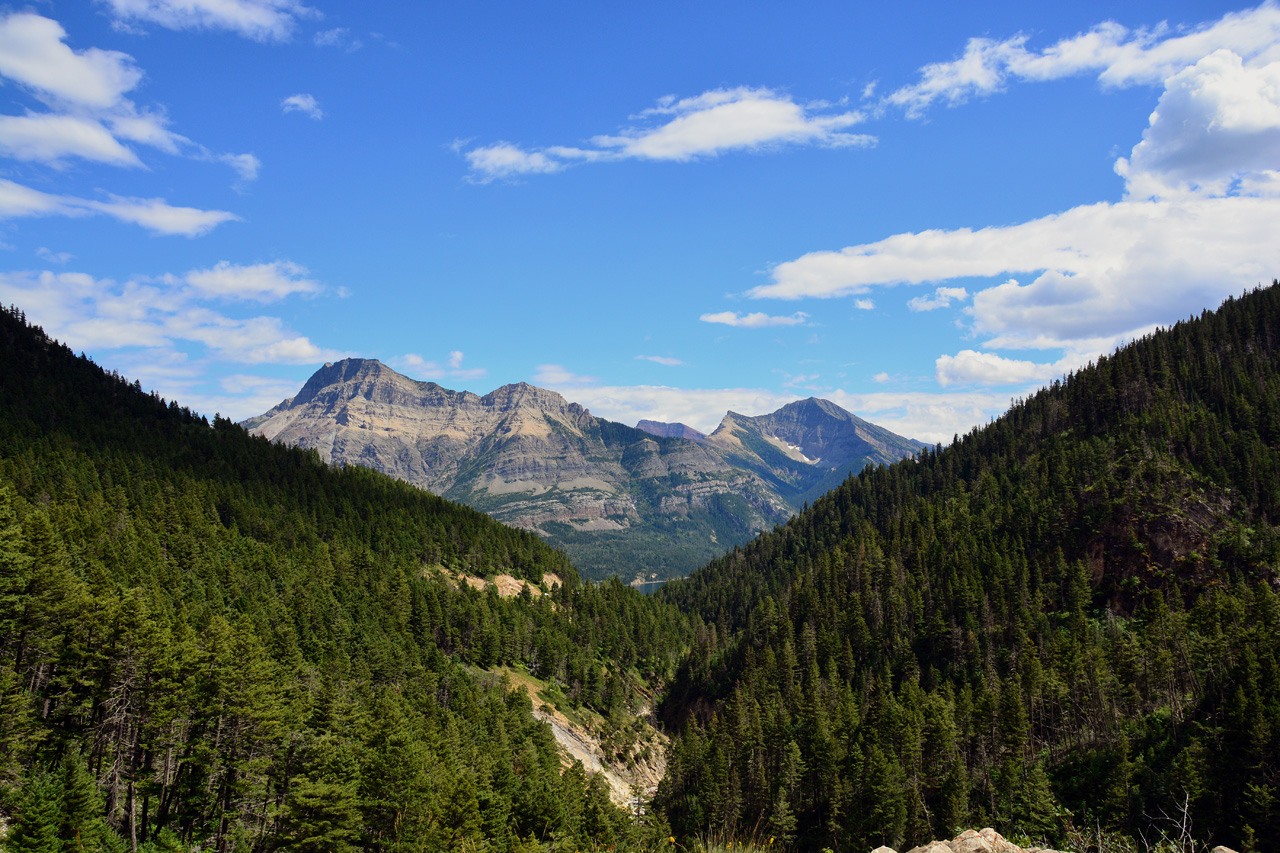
919, 211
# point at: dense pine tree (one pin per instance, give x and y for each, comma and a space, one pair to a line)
1067, 617
209, 639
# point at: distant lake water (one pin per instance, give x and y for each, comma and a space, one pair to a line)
650, 587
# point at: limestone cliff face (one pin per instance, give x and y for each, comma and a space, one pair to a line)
532, 459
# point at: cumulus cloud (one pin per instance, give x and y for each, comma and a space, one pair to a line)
969, 367
154, 214
305, 104
259, 282
1119, 56
666, 361
260, 20
96, 314
941, 298
754, 320
90, 116
682, 129
1217, 121
864, 304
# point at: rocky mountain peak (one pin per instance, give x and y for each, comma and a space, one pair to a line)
674, 430
522, 395
531, 458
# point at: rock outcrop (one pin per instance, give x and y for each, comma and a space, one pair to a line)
985, 840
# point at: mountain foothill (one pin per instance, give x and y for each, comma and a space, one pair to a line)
1060, 628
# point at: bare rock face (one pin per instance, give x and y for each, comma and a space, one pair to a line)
638, 503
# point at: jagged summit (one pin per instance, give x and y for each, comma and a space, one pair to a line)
673, 430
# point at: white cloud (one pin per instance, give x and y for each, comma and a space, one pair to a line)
33, 54
941, 298
259, 282
1101, 269
881, 377
155, 214
864, 304
664, 360
419, 367
91, 116
245, 165
52, 257
1198, 222
1119, 56
51, 138
88, 313
755, 320
705, 125
161, 217
969, 367
261, 20
300, 103
337, 37
504, 160
553, 375
1218, 120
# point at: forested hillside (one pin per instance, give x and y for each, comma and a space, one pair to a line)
209, 639
1066, 618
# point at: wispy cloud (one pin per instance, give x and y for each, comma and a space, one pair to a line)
420, 368
339, 37
154, 214
59, 258
682, 129
305, 104
666, 361
556, 376
1119, 56
268, 282
260, 20
941, 298
756, 320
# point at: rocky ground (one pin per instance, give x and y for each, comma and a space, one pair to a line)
986, 840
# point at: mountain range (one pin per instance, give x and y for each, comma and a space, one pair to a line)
649, 502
